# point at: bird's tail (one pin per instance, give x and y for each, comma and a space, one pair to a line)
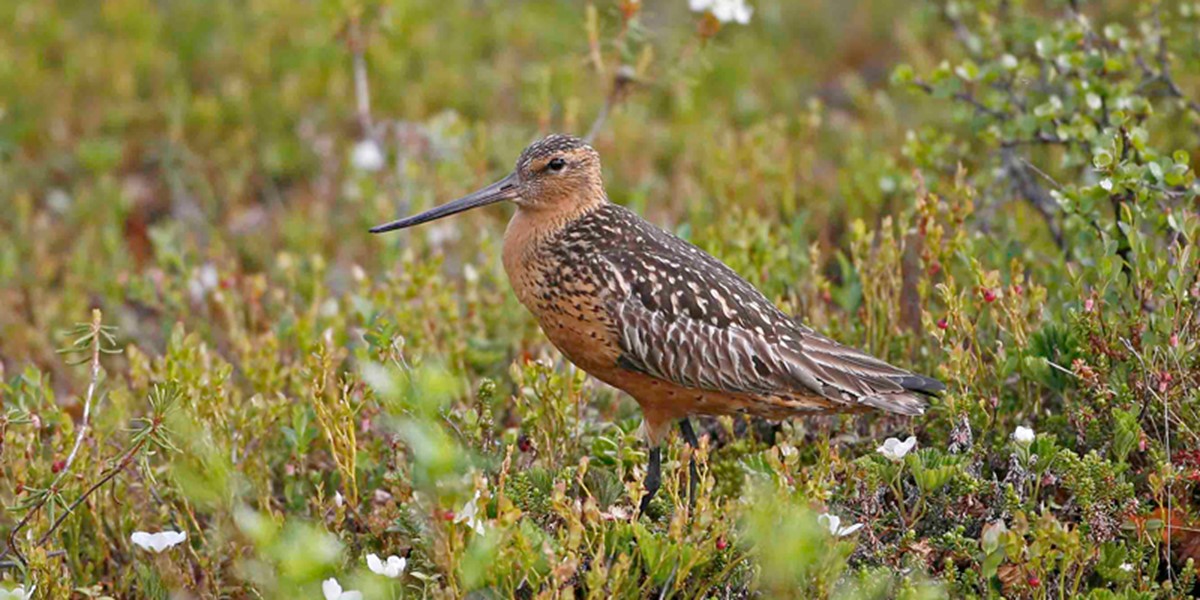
843, 373
911, 400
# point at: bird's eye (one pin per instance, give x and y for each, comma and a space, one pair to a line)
556, 164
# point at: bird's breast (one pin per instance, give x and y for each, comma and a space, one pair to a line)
563, 293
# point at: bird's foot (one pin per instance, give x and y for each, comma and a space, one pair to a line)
653, 478
689, 436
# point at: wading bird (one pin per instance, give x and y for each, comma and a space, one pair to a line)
655, 316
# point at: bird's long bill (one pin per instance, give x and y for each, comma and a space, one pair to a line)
505, 189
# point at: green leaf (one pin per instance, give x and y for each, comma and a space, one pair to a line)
1126, 433
903, 74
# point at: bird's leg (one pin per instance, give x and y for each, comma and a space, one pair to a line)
653, 478
689, 436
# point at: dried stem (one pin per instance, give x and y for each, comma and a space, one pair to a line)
97, 336
362, 89
85, 423
620, 87
125, 461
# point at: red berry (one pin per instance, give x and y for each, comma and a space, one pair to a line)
942, 324
524, 443
989, 295
721, 543
448, 515
58, 465
1034, 582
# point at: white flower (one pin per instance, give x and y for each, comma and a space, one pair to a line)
367, 155
157, 542
1128, 568
1023, 435
834, 523
203, 281
894, 449
392, 568
470, 515
725, 11
17, 593
333, 591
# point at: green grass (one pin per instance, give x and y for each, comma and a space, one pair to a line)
998, 194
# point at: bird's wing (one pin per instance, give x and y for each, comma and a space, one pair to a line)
684, 317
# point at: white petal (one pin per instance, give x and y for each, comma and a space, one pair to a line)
367, 156
395, 566
468, 512
833, 523
17, 593
141, 539
849, 530
699, 5
351, 595
375, 565
888, 449
332, 589
171, 539
1023, 435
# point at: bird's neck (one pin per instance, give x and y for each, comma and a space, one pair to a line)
533, 226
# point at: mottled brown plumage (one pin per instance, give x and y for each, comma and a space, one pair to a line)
657, 317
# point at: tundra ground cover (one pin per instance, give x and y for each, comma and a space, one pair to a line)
198, 336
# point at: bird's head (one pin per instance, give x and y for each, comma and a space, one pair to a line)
556, 173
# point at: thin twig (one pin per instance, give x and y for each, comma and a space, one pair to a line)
91, 392
97, 336
1028, 188
125, 461
1166, 443
967, 98
362, 89
621, 83
12, 564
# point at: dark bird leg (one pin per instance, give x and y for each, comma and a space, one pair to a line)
653, 478
689, 436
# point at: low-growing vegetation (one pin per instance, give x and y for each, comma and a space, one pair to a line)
215, 383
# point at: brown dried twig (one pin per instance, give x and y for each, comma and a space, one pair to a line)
622, 81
